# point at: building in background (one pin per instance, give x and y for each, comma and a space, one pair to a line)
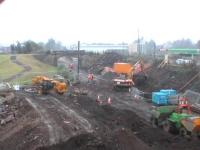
132, 48
122, 48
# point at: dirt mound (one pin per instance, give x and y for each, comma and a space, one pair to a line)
121, 139
24, 132
81, 142
168, 77
109, 119
109, 122
107, 59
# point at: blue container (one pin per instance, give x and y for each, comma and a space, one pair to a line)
169, 92
159, 98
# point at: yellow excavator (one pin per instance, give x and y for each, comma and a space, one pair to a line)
45, 85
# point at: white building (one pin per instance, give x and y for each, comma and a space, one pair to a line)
132, 48
104, 47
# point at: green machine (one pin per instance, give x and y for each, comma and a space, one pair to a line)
185, 124
160, 114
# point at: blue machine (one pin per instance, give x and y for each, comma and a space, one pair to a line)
169, 92
162, 97
159, 98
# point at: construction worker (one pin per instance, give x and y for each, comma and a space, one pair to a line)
90, 77
183, 104
71, 67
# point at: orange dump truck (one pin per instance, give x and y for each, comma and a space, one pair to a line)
129, 74
124, 70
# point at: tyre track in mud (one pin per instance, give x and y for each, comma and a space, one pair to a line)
80, 120
54, 130
62, 122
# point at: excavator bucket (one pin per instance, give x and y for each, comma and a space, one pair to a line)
196, 123
192, 124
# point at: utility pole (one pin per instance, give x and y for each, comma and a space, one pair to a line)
78, 60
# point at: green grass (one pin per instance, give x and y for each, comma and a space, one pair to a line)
7, 68
38, 68
36, 65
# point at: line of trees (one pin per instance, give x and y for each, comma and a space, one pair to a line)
31, 47
182, 43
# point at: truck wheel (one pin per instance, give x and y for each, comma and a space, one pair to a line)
61, 93
154, 122
198, 135
115, 88
184, 133
167, 126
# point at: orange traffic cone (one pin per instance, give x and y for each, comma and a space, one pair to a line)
109, 100
98, 100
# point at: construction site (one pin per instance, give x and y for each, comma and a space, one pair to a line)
99, 75
113, 103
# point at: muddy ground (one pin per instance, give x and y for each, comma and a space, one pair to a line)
79, 122
59, 122
26, 131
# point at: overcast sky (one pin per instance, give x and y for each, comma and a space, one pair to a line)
99, 20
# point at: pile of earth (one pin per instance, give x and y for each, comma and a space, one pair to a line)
119, 129
113, 128
82, 142
25, 130
119, 140
107, 59
169, 77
